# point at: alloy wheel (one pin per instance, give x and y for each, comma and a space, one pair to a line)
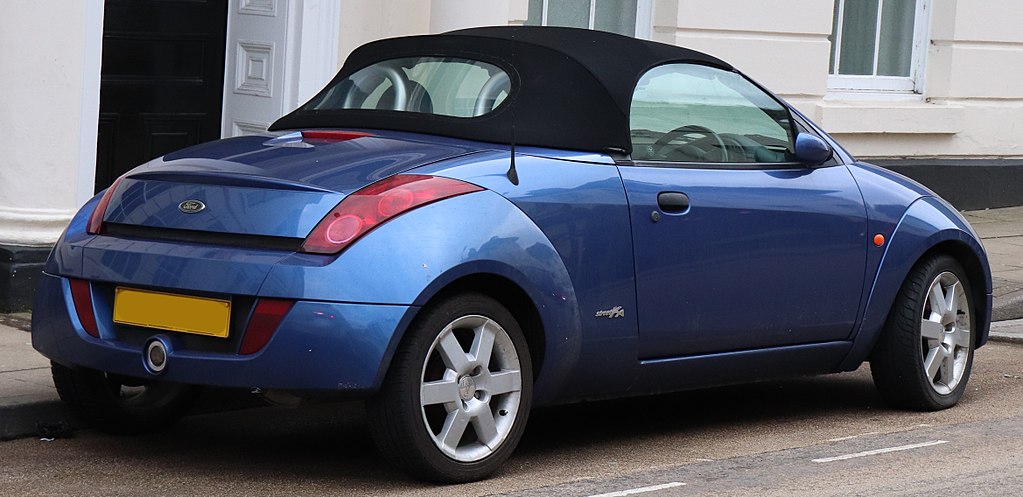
470, 389
945, 333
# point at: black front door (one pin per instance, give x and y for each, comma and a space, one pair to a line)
162, 80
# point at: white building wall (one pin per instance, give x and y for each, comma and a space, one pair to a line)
448, 15
782, 44
365, 21
362, 22
49, 109
969, 108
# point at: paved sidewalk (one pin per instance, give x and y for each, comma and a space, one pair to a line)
27, 395
28, 398
1002, 232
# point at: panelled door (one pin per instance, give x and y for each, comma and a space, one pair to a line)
162, 80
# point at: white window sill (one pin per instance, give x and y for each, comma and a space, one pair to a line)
887, 115
875, 96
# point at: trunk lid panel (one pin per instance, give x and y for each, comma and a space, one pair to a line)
229, 209
340, 166
264, 186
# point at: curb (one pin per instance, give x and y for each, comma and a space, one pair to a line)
1007, 331
31, 420
24, 421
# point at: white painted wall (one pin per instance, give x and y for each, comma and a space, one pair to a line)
781, 44
49, 109
448, 15
365, 21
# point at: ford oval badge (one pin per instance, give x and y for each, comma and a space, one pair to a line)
191, 206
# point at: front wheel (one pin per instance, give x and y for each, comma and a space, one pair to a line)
924, 356
122, 405
455, 401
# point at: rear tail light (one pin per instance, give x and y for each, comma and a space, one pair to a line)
81, 295
95, 226
375, 204
264, 322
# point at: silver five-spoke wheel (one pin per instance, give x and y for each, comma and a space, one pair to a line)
945, 332
470, 398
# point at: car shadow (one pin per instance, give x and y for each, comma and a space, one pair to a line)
327, 445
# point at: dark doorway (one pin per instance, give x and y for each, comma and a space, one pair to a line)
162, 80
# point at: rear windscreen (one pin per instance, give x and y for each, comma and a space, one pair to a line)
446, 86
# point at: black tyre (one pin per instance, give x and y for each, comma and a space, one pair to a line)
925, 353
121, 405
457, 396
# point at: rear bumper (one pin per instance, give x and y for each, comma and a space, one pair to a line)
318, 346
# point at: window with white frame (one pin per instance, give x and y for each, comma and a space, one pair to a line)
626, 17
878, 45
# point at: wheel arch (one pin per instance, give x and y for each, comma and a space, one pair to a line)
976, 274
928, 227
548, 316
510, 295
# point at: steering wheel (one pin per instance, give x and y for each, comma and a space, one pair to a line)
487, 98
665, 140
399, 84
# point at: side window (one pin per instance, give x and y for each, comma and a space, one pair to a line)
695, 113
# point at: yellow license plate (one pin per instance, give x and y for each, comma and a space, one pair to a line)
167, 311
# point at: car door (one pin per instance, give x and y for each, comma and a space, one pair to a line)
737, 247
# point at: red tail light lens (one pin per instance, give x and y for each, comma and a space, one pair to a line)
81, 294
95, 225
375, 204
264, 322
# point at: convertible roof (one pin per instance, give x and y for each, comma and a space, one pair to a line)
571, 88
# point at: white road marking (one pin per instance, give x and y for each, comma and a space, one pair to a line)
642, 490
880, 451
850, 437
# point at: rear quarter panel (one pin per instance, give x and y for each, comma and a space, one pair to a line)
578, 202
412, 258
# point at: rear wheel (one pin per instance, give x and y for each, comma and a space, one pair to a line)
456, 398
122, 405
924, 356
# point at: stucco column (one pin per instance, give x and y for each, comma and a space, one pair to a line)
49, 109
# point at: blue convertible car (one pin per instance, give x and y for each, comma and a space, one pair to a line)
462, 227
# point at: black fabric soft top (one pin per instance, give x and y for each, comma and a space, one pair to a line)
571, 88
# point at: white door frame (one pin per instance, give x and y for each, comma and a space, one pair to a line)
310, 56
313, 51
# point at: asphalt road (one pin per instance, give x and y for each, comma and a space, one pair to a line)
828, 435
